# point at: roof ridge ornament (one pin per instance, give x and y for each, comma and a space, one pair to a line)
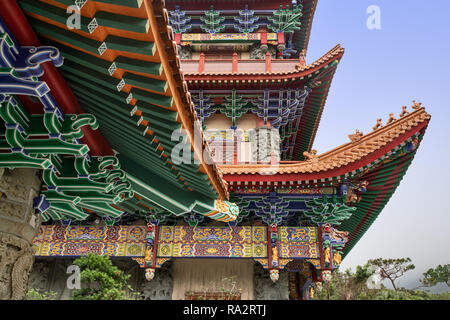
378, 125
404, 111
417, 105
391, 118
311, 156
356, 136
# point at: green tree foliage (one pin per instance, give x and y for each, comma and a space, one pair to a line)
440, 274
35, 294
100, 280
392, 269
346, 285
362, 274
353, 286
400, 294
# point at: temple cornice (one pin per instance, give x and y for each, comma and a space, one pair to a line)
357, 153
284, 70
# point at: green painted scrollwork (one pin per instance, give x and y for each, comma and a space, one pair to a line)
328, 210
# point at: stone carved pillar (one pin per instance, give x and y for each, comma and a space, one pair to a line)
18, 226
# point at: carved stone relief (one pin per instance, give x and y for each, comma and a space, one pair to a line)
16, 260
160, 288
266, 289
18, 226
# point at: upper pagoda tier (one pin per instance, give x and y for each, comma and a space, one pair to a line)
248, 57
244, 16
287, 93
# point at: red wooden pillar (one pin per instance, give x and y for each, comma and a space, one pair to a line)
280, 39
263, 39
268, 62
269, 248
235, 148
201, 63
155, 246
319, 234
234, 67
281, 45
178, 38
322, 264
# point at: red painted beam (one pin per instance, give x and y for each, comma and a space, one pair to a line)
18, 24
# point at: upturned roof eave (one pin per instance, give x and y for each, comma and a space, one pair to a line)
164, 32
345, 158
335, 54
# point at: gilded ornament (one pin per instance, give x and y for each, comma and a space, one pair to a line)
327, 255
337, 258
311, 292
275, 253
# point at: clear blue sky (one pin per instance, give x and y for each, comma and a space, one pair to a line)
382, 70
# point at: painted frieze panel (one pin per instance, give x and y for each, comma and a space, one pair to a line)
212, 242
298, 242
119, 241
177, 242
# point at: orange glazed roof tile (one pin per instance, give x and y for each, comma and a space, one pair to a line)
360, 147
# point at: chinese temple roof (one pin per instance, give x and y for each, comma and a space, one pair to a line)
122, 62
380, 140
380, 157
121, 66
